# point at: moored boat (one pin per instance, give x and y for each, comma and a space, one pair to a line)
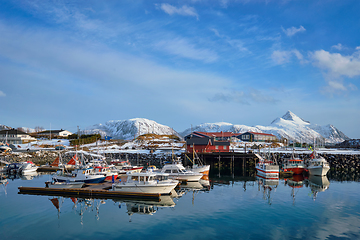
80, 175
318, 166
28, 167
266, 168
146, 182
294, 164
125, 166
177, 171
69, 184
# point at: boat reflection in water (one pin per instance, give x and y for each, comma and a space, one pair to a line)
267, 185
318, 184
143, 207
203, 185
81, 205
295, 183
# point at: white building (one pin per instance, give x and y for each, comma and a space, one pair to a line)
56, 133
14, 136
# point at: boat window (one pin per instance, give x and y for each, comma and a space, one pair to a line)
134, 178
175, 171
141, 178
168, 171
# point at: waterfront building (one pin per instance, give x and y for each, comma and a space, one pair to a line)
14, 136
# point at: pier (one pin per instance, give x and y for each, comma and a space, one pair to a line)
101, 190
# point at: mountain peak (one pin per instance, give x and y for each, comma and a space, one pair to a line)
290, 116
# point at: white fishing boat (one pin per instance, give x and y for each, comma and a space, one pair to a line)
28, 167
125, 166
267, 169
146, 182
80, 175
318, 166
198, 166
177, 171
54, 184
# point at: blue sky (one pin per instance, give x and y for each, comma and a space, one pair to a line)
65, 64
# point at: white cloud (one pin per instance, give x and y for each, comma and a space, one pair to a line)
293, 30
282, 57
2, 94
181, 47
337, 64
184, 10
335, 67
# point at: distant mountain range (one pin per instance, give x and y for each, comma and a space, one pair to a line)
128, 129
288, 126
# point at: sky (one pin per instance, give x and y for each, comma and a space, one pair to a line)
65, 64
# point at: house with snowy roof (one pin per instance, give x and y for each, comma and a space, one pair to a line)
257, 137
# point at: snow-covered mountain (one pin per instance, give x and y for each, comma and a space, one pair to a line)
4, 127
288, 126
128, 129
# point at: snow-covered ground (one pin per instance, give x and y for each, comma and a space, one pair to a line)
168, 147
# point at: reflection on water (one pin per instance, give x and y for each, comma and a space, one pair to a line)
318, 184
267, 186
217, 208
295, 183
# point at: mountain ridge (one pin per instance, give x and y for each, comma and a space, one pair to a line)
289, 126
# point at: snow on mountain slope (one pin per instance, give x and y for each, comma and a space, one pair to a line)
128, 129
289, 126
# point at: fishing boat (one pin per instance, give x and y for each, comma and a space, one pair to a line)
198, 166
146, 182
106, 171
28, 167
177, 171
318, 166
266, 168
13, 168
55, 184
125, 166
294, 165
86, 175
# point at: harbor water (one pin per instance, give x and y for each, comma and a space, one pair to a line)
217, 208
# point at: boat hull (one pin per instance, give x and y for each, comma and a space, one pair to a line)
268, 171
99, 179
137, 188
204, 169
295, 170
318, 170
187, 178
65, 185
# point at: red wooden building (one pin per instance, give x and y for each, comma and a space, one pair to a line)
208, 141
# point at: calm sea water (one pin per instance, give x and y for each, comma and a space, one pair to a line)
240, 208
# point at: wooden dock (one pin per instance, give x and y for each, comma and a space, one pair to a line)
90, 191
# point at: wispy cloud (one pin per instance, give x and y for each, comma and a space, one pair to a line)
247, 98
282, 57
338, 46
235, 43
2, 94
183, 48
293, 30
184, 10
